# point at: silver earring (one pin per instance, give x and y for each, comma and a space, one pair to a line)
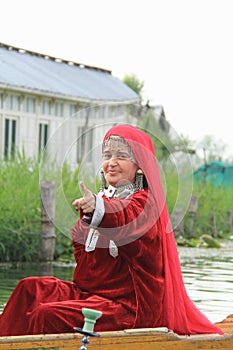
103, 181
139, 179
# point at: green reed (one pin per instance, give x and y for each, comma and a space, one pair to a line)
20, 207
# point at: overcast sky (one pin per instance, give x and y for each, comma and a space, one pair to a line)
181, 49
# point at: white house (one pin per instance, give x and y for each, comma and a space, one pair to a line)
52, 102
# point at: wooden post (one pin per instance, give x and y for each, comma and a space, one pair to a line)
47, 217
192, 210
178, 224
213, 225
229, 220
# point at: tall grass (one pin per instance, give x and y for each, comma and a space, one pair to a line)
216, 201
20, 208
212, 200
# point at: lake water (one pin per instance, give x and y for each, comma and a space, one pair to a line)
207, 274
208, 277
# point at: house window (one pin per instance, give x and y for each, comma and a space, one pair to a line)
70, 110
13, 102
58, 109
46, 107
29, 105
43, 136
10, 139
89, 143
80, 143
1, 100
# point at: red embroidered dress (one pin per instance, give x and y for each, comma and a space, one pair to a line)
127, 267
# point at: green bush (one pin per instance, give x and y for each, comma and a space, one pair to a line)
216, 201
20, 208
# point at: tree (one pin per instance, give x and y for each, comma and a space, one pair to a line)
134, 83
161, 140
211, 149
164, 143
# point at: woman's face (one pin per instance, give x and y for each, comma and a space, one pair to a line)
118, 166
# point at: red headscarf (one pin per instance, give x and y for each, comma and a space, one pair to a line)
179, 312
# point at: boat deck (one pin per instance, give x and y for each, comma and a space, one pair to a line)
146, 339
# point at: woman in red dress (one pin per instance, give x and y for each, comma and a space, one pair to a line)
126, 255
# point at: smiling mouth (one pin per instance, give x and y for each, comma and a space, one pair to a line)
113, 172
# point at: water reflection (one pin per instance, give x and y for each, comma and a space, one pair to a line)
208, 279
10, 274
207, 274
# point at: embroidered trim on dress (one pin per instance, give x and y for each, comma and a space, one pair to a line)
93, 235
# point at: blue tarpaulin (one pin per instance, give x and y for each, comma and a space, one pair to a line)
217, 173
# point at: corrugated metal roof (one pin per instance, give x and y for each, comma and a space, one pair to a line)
46, 74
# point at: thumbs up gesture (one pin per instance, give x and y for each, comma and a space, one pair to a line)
87, 202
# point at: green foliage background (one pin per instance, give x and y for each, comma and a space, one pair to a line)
20, 212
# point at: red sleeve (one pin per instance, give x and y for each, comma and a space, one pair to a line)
79, 234
129, 218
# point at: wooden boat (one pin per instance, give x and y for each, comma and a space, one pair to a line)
146, 339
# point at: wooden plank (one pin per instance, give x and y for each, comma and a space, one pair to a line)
136, 339
226, 325
120, 340
52, 341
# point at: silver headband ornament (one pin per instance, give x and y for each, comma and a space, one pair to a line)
115, 143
